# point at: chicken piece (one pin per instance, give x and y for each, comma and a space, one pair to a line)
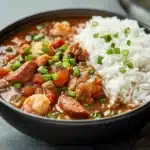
37, 104
72, 107
78, 52
42, 60
3, 85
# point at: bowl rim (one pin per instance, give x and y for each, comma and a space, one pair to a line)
63, 121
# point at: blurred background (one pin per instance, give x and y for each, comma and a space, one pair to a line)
12, 10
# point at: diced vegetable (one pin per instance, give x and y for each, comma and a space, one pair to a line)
116, 50
127, 31
40, 26
55, 58
9, 49
122, 70
62, 77
38, 79
27, 51
99, 59
76, 71
42, 70
109, 51
116, 35
95, 115
15, 65
112, 45
38, 37
103, 100
58, 42
63, 48
72, 93
130, 65
28, 57
72, 61
45, 49
17, 85
66, 64
20, 59
107, 38
54, 76
4, 71
47, 77
91, 71
94, 23
96, 35
125, 52
128, 42
88, 106
58, 64
53, 115
28, 90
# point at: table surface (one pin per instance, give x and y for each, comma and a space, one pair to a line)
11, 139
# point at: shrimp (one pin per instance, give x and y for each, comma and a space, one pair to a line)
37, 104
61, 29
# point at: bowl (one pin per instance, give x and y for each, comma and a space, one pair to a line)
70, 131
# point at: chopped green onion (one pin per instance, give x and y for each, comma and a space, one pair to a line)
28, 57
47, 77
125, 52
9, 49
42, 70
28, 38
76, 71
40, 27
55, 58
88, 106
15, 65
45, 49
96, 35
103, 100
99, 59
38, 37
116, 35
66, 64
50, 62
112, 45
128, 42
27, 50
122, 70
54, 76
130, 65
72, 93
127, 31
109, 51
20, 59
52, 115
67, 56
58, 64
17, 85
72, 61
116, 50
107, 38
95, 115
91, 71
63, 48
94, 23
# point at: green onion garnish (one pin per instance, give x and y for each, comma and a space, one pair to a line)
45, 49
128, 42
99, 59
38, 37
96, 35
27, 50
125, 52
130, 65
103, 100
53, 115
116, 50
54, 76
66, 64
47, 77
76, 71
20, 59
15, 65
95, 115
91, 71
112, 45
42, 70
88, 106
58, 64
72, 93
9, 49
127, 31
107, 38
28, 57
94, 23
122, 70
40, 27
116, 35
72, 61
109, 51
17, 85
63, 48
55, 58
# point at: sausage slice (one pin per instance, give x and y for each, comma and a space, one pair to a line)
23, 74
72, 107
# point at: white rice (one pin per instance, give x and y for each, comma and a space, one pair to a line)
134, 85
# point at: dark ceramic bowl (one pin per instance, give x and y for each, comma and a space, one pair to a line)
72, 131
